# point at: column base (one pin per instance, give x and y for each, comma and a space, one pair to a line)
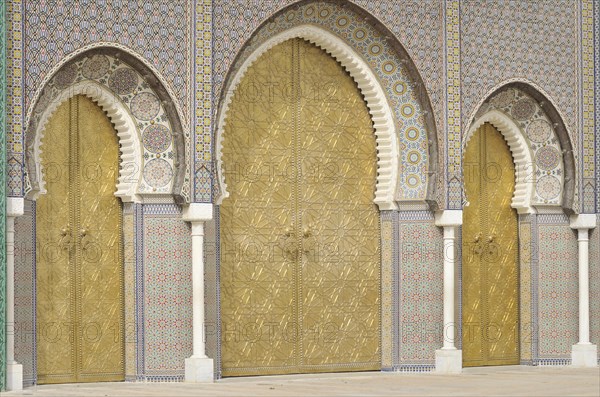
199, 370
584, 355
14, 377
448, 361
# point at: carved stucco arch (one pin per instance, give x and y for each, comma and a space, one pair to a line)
128, 132
129, 140
524, 156
375, 98
521, 153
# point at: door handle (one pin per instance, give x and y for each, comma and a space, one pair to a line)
65, 240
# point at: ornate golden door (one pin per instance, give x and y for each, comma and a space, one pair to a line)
79, 277
490, 300
300, 267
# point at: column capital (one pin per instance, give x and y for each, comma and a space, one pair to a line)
198, 212
448, 218
15, 206
582, 221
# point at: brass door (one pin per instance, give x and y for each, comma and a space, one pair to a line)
299, 232
490, 300
79, 271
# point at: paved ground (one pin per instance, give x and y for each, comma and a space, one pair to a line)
491, 381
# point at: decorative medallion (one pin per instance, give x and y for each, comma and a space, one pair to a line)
548, 187
95, 67
145, 106
523, 109
503, 98
157, 138
547, 158
66, 76
123, 81
539, 131
158, 173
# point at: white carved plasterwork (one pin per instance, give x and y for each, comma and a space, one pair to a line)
534, 145
150, 157
381, 113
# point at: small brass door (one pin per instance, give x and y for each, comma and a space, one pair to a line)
299, 231
490, 300
79, 270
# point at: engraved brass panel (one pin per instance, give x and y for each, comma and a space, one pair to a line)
79, 250
490, 300
299, 232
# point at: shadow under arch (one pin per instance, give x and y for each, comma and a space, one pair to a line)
416, 84
119, 114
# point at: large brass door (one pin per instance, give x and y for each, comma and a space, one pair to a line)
79, 277
490, 300
300, 259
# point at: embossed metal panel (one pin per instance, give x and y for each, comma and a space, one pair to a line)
299, 232
490, 300
79, 254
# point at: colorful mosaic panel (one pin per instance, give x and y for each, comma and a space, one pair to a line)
212, 293
134, 93
385, 64
597, 97
453, 98
532, 40
167, 299
3, 179
202, 100
14, 90
526, 327
129, 291
25, 294
558, 288
156, 30
588, 187
387, 289
547, 172
595, 285
420, 292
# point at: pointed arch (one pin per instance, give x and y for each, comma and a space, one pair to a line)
381, 113
138, 130
539, 143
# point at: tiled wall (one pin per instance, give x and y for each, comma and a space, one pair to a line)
25, 293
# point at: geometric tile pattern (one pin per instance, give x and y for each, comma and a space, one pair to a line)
421, 292
453, 105
14, 90
147, 113
547, 170
597, 98
202, 101
595, 284
3, 179
167, 294
557, 280
588, 187
380, 56
533, 41
387, 289
41, 34
25, 293
525, 331
154, 30
129, 259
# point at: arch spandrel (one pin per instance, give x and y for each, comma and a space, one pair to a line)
152, 143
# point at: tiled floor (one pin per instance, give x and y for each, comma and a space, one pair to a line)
484, 381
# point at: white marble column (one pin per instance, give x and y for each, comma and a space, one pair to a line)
199, 367
448, 359
584, 353
14, 371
